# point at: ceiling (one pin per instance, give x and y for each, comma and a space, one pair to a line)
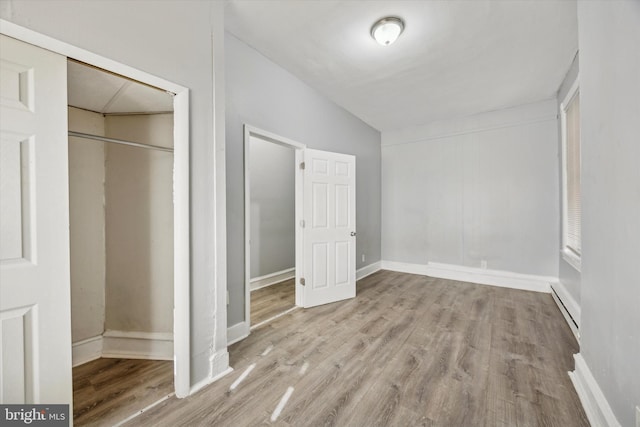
97, 90
455, 58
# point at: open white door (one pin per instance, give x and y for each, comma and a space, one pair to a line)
35, 327
329, 213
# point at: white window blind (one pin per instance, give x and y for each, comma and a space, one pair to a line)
573, 210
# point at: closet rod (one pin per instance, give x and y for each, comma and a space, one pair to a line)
119, 141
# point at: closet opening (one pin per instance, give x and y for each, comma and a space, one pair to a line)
121, 209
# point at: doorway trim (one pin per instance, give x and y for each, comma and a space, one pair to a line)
181, 208
250, 131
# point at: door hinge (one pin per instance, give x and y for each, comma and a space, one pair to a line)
302, 281
302, 165
302, 223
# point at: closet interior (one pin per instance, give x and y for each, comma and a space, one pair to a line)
121, 231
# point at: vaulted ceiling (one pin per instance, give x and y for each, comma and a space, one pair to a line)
455, 58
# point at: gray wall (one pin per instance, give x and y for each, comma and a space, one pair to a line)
609, 33
174, 42
273, 214
262, 94
480, 188
567, 274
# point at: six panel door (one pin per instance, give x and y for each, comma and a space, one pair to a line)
329, 243
35, 327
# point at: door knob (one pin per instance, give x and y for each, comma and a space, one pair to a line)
353, 233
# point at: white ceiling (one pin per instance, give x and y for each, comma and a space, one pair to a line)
455, 58
96, 90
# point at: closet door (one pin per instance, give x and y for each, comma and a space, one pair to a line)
35, 328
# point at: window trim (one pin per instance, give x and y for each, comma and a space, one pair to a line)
568, 254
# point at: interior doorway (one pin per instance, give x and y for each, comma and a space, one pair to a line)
324, 225
272, 218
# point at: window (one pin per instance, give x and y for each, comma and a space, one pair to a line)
571, 212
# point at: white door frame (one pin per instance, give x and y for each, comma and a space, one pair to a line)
181, 286
250, 131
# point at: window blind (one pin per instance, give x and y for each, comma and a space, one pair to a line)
574, 206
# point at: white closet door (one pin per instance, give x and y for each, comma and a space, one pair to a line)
35, 327
329, 243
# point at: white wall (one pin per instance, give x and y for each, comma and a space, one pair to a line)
609, 34
181, 41
479, 188
86, 216
273, 230
262, 94
139, 225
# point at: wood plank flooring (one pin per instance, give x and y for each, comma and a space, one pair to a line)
407, 351
107, 391
272, 300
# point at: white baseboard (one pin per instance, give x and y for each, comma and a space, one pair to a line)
595, 404
237, 332
568, 301
565, 313
404, 267
218, 368
368, 270
137, 345
205, 382
505, 279
272, 279
86, 350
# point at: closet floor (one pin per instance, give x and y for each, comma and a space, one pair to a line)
107, 391
272, 300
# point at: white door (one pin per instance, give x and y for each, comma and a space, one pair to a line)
35, 327
329, 242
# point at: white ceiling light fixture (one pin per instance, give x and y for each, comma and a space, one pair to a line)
387, 30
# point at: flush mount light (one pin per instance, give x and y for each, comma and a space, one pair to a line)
387, 30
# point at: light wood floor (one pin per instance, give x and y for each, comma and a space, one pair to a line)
407, 351
107, 391
272, 300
